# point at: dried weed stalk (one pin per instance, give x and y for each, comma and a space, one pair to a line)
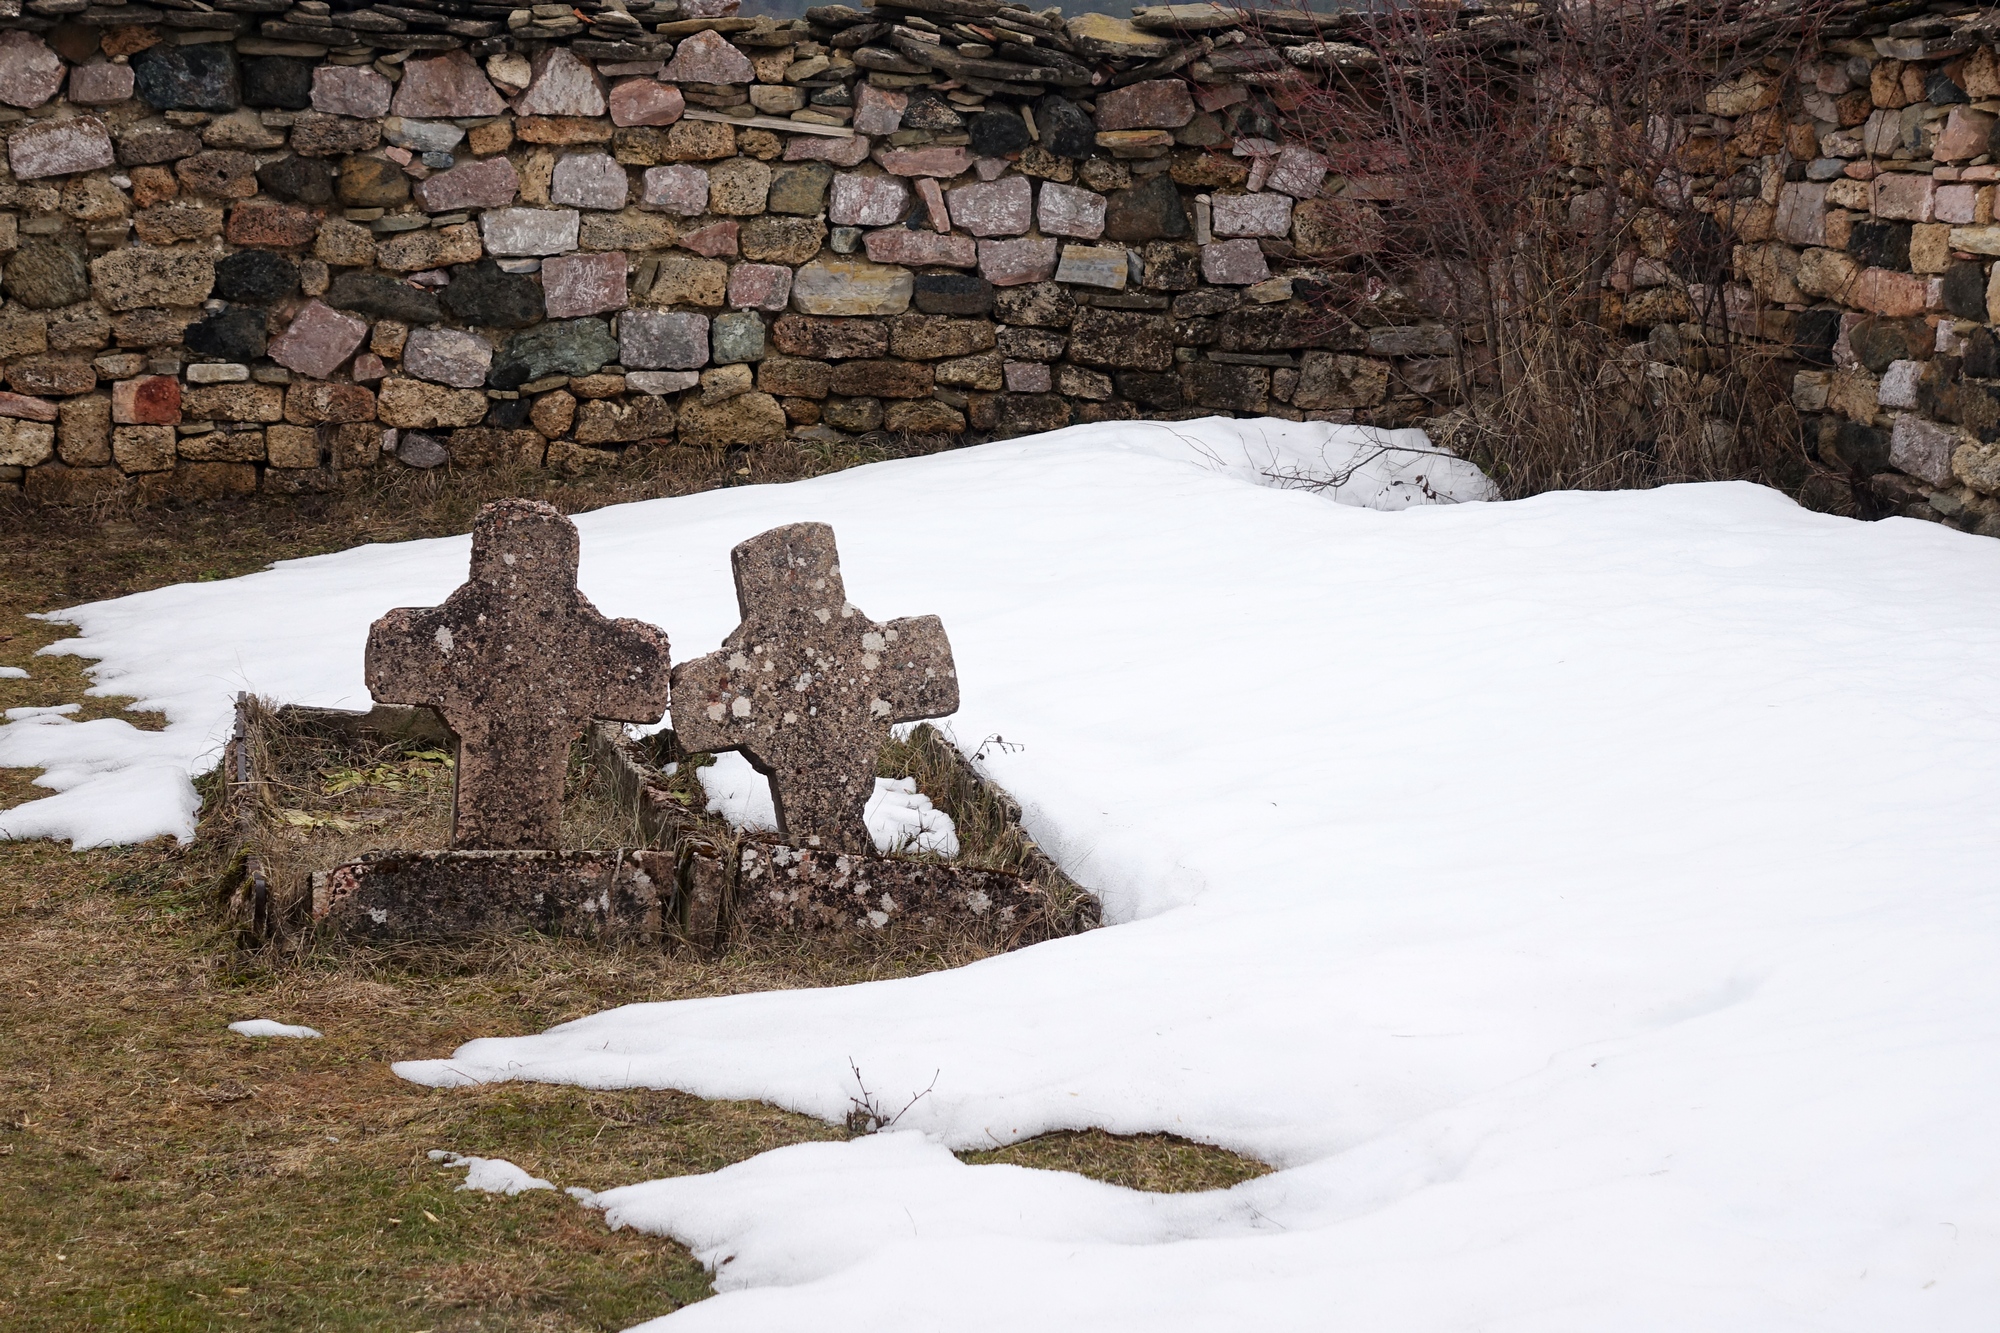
1546, 178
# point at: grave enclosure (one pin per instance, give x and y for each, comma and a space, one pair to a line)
516, 666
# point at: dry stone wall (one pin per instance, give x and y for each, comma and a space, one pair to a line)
262, 245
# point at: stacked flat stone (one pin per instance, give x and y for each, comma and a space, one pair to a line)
281, 245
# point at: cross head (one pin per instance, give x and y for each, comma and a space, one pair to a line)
517, 662
807, 687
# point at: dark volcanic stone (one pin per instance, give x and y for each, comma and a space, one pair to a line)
1148, 212
201, 77
998, 133
1965, 291
481, 295
45, 274
1877, 342
236, 334
372, 182
1814, 332
951, 294
255, 277
1156, 390
1982, 355
154, 146
278, 81
383, 297
1939, 90
566, 347
508, 413
305, 180
928, 111
1066, 131
1880, 244
1862, 448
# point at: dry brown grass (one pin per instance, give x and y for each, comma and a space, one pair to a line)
160, 1173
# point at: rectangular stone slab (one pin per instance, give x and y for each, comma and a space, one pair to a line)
617, 894
783, 889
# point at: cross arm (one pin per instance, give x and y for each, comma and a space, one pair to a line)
629, 668
917, 678
408, 656
702, 692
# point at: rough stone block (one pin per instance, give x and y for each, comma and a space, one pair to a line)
627, 422
1014, 263
1043, 305
1923, 448
800, 190
644, 101
782, 240
589, 180
59, 148
1904, 195
430, 248
994, 208
1065, 210
687, 280
1266, 214
133, 448
746, 419
760, 287
680, 190
562, 85
129, 279
662, 340
941, 162
867, 201
1121, 339
271, 226
448, 356
900, 245
261, 403
318, 341
316, 403
877, 110
575, 285
735, 338
882, 379
529, 231
414, 405
100, 85
738, 187
851, 287
1298, 172
1027, 377
1233, 263
794, 377
835, 152
698, 141
1094, 266
446, 87
800, 335
1882, 292
488, 183
350, 90
1153, 104
152, 401
707, 57
951, 294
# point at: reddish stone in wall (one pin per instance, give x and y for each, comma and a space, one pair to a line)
152, 401
575, 285
271, 226
646, 102
716, 241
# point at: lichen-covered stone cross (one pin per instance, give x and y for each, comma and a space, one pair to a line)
517, 661
807, 687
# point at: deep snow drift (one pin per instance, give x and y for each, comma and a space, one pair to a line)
1588, 901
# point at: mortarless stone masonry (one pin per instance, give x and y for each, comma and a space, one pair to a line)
466, 229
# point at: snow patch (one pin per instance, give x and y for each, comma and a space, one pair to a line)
491, 1175
265, 1027
13, 673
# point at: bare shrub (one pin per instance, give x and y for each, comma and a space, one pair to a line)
1546, 179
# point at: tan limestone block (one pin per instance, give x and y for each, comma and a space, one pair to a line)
83, 430
140, 448
291, 446
431, 247
262, 403
414, 405
1930, 247
553, 413
690, 280
345, 243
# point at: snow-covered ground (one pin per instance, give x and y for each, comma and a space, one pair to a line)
1589, 902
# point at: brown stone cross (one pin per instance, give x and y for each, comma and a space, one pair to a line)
517, 661
807, 687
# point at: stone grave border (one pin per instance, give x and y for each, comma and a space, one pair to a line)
696, 886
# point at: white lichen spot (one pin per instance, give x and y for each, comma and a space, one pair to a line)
819, 585
716, 712
804, 682
978, 901
871, 642
888, 903
878, 919
737, 661
443, 637
507, 559
879, 708
847, 610
869, 661
890, 635
741, 706
791, 718
823, 615
379, 916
